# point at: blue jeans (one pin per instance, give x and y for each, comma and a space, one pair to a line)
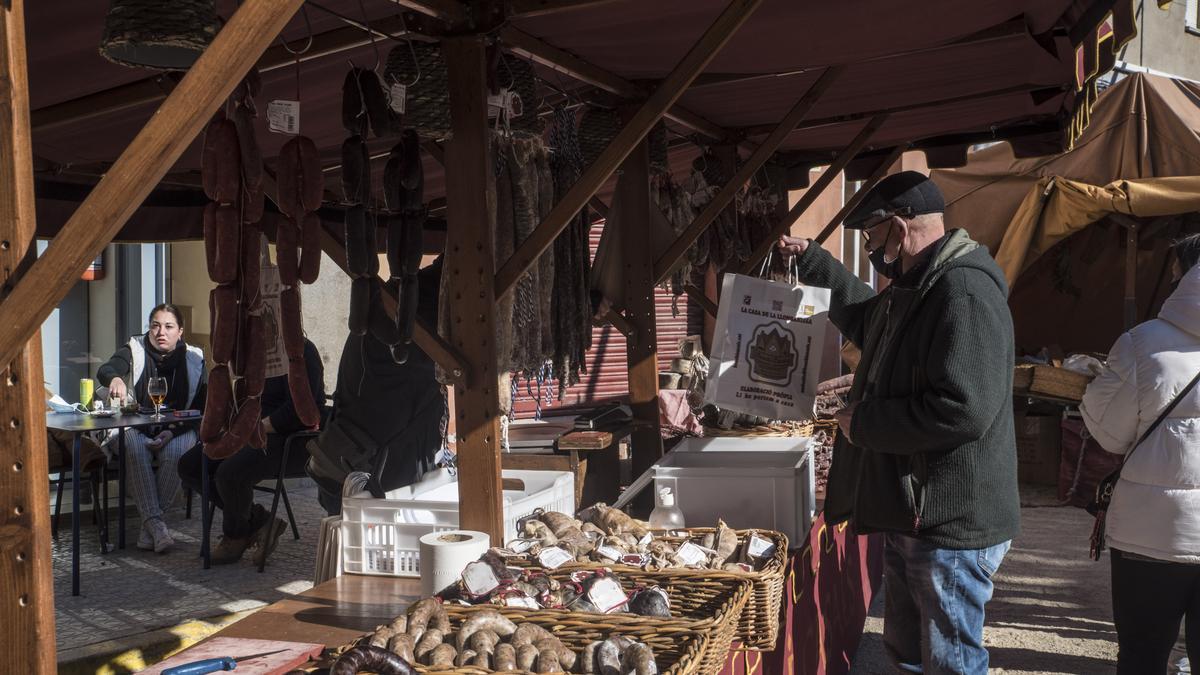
933, 619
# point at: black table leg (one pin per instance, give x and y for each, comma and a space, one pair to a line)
121, 488
75, 515
205, 513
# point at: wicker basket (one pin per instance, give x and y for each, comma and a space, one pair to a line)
781, 430
427, 93
758, 626
158, 34
1059, 383
678, 647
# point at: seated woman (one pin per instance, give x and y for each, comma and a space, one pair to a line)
244, 524
160, 352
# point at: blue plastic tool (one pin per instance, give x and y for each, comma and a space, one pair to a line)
214, 665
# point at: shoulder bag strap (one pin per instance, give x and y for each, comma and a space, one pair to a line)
1162, 416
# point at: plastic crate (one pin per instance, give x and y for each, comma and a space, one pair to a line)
381, 536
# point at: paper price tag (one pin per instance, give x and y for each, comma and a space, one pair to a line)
283, 117
690, 554
635, 560
521, 601
521, 545
610, 552
759, 547
505, 102
398, 97
607, 595
645, 540
554, 557
479, 579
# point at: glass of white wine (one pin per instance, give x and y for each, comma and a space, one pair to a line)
156, 388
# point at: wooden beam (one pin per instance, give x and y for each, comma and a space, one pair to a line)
813, 192
151, 154
562, 61
471, 220
853, 202
697, 296
666, 263
529, 8
637, 260
630, 135
446, 10
26, 575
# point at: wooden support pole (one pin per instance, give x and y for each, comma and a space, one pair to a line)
853, 202
697, 296
1132, 227
630, 135
26, 577
813, 192
641, 353
147, 159
471, 218
666, 263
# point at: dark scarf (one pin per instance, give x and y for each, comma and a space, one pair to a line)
171, 365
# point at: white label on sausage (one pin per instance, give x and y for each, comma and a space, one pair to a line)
645, 540
554, 557
610, 552
479, 579
283, 117
759, 547
691, 554
521, 545
521, 601
398, 97
607, 595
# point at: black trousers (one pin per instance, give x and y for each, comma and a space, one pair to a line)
1149, 601
232, 480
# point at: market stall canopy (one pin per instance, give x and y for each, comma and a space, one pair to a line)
1141, 158
980, 70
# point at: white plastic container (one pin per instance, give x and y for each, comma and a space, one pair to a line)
381, 536
762, 483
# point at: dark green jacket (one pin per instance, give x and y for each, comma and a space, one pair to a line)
934, 452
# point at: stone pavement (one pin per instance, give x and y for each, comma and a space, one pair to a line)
130, 592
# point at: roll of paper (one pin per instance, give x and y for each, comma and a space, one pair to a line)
445, 554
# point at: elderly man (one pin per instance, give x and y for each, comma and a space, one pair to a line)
926, 453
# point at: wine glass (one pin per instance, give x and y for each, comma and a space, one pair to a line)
156, 388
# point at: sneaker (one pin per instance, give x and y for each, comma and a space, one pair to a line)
267, 539
145, 539
229, 550
160, 535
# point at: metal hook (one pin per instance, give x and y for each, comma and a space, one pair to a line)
309, 44
370, 36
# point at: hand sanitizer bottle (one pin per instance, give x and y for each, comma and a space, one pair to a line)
666, 515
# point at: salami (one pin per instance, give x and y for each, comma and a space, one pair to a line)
357, 254
210, 239
287, 244
374, 103
356, 171
228, 246
300, 182
360, 305
240, 430
292, 323
310, 256
216, 403
354, 114
393, 178
220, 164
254, 345
223, 307
251, 267
302, 398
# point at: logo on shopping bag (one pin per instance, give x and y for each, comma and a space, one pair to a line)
772, 354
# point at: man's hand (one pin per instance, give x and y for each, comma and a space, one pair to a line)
791, 246
160, 440
844, 418
117, 389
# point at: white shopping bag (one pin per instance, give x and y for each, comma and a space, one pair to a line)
767, 346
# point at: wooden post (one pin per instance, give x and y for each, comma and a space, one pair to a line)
641, 353
623, 143
471, 218
26, 578
1132, 227
147, 159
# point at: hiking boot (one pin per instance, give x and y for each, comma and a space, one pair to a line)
268, 539
159, 534
229, 550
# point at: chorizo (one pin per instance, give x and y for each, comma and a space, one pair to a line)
287, 245
354, 115
292, 323
356, 171
302, 397
223, 308
374, 103
300, 183
393, 178
360, 305
357, 255
253, 203
216, 403
310, 255
228, 244
220, 163
239, 432
251, 267
255, 346
368, 659
381, 325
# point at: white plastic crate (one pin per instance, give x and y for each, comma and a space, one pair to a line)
381, 536
749, 483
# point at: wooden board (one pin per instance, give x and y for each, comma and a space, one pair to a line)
586, 440
295, 654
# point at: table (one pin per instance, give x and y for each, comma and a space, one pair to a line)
77, 424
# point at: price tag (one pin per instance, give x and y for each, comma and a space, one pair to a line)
690, 554
501, 103
479, 579
593, 535
607, 595
645, 540
554, 557
610, 552
521, 600
521, 545
283, 117
635, 560
759, 547
398, 97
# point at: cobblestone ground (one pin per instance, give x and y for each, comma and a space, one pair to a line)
128, 592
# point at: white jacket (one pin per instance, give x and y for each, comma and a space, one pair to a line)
1155, 509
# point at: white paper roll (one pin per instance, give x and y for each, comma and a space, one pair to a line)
445, 554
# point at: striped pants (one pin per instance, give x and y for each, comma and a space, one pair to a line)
153, 491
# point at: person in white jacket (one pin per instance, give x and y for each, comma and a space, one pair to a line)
1153, 525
